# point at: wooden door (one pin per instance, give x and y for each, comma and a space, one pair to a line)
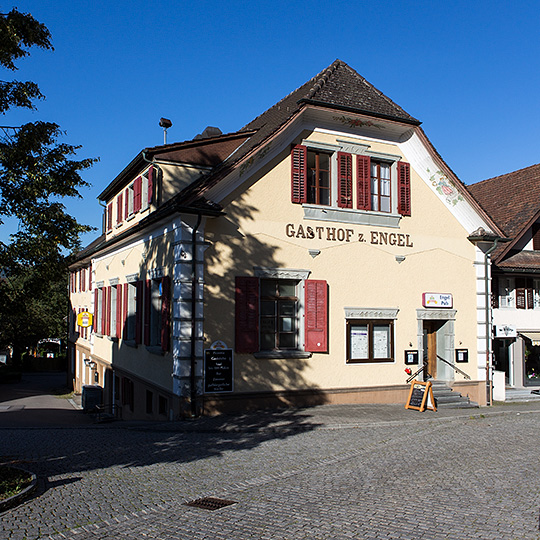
430, 348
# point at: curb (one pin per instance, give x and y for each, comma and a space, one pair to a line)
18, 499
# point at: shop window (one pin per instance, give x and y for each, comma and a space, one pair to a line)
370, 341
268, 313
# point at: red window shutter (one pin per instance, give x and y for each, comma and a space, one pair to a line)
246, 314
109, 216
404, 188
150, 185
119, 208
83, 279
96, 308
147, 310
344, 180
139, 312
137, 202
108, 312
530, 296
125, 311
316, 300
104, 311
118, 308
165, 309
521, 296
363, 182
299, 174
126, 203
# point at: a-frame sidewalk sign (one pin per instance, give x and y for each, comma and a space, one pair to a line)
421, 397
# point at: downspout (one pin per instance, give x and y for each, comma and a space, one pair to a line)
488, 321
194, 412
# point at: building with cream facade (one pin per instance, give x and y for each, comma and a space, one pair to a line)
320, 254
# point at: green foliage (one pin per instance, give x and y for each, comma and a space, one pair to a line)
13, 481
36, 173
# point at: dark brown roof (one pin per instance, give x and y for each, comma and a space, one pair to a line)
522, 261
512, 202
510, 199
208, 152
337, 87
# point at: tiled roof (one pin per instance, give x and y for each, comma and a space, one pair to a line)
523, 260
338, 86
510, 199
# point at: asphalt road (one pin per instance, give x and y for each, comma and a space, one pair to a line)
331, 472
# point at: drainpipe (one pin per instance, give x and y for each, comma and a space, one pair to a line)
194, 412
488, 321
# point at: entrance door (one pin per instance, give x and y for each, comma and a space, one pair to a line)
430, 348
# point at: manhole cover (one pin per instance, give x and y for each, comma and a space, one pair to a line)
210, 503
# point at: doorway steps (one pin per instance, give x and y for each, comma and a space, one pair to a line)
519, 395
446, 398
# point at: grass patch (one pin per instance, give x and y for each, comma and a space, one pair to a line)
62, 393
13, 481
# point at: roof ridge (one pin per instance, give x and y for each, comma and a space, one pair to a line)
324, 76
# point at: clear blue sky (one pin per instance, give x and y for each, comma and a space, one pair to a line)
468, 70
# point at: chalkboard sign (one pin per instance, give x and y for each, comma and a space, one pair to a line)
218, 370
421, 397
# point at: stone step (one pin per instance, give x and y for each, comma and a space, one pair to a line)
447, 398
519, 395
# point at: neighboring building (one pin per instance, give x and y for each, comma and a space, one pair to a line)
512, 201
326, 243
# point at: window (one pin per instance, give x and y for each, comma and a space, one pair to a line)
380, 187
156, 314
269, 310
279, 309
162, 405
99, 311
318, 180
133, 311
112, 307
370, 341
506, 293
149, 402
383, 182
128, 393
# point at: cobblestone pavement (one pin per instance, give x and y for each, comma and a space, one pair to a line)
332, 472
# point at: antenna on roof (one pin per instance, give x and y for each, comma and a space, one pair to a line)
165, 123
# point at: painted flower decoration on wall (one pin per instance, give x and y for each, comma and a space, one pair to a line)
443, 186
